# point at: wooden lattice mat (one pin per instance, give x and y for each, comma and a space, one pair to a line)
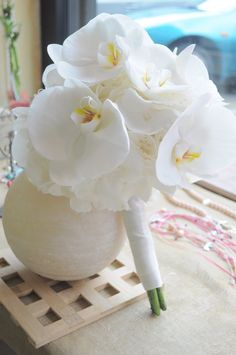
47, 310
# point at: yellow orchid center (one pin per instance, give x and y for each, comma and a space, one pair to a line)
146, 78
162, 82
188, 156
113, 55
153, 77
87, 113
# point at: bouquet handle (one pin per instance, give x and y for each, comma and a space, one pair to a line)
145, 259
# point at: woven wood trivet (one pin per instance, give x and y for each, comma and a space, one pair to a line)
48, 310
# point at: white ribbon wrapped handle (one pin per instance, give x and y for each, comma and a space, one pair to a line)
142, 246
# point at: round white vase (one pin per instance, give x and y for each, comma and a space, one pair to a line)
54, 241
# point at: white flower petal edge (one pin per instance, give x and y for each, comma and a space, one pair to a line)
89, 74
51, 76
55, 52
192, 71
51, 130
144, 116
196, 143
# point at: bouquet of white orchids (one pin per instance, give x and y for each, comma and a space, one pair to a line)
120, 115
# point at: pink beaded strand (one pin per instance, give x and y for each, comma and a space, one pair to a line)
215, 238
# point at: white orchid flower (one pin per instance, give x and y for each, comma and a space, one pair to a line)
164, 85
81, 137
150, 69
200, 143
96, 52
154, 99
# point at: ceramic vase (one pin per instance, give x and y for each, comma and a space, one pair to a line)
54, 241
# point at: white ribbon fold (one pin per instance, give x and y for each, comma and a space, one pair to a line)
142, 245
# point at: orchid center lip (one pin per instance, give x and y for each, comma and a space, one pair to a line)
188, 156
87, 113
162, 82
153, 77
186, 153
146, 78
114, 55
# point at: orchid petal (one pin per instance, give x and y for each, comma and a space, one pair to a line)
166, 170
208, 132
55, 52
81, 46
109, 145
144, 116
79, 85
51, 76
189, 66
89, 74
68, 172
51, 130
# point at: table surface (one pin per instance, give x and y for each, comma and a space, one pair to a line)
201, 315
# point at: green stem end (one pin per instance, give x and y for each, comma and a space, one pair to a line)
157, 300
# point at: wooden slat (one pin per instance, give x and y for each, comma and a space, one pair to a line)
19, 312
38, 308
7, 270
45, 292
49, 313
